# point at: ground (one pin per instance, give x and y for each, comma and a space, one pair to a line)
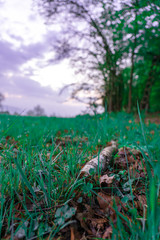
45, 196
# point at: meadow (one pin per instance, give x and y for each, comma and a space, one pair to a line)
43, 196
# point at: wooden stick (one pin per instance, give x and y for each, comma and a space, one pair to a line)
101, 161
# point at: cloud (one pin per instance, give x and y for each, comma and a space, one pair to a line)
25, 51
11, 58
25, 94
20, 85
16, 74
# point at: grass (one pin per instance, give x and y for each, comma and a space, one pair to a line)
40, 187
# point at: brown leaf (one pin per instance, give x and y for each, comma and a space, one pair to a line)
89, 210
59, 133
131, 159
7, 237
120, 162
98, 222
107, 233
142, 200
66, 130
135, 152
1, 146
82, 217
152, 132
72, 233
105, 201
48, 155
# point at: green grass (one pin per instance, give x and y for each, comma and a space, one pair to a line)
40, 162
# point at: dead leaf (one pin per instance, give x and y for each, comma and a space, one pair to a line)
7, 237
85, 216
98, 222
131, 159
134, 151
108, 232
72, 233
66, 130
106, 179
142, 200
152, 132
106, 182
82, 217
107, 202
104, 200
48, 155
83, 237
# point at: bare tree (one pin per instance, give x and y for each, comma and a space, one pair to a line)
86, 38
30, 113
1, 100
37, 111
102, 38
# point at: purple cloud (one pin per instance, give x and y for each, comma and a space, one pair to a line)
19, 63
11, 59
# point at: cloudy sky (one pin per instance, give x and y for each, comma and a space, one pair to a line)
25, 78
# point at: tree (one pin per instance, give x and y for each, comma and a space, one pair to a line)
37, 111
147, 55
30, 113
90, 47
1, 99
133, 49
106, 42
142, 27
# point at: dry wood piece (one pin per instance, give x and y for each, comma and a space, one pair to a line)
101, 161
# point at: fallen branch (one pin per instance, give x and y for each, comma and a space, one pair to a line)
101, 161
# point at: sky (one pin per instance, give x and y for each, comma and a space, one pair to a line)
26, 79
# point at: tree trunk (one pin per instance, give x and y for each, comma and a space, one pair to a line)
132, 66
149, 83
120, 89
130, 82
146, 95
